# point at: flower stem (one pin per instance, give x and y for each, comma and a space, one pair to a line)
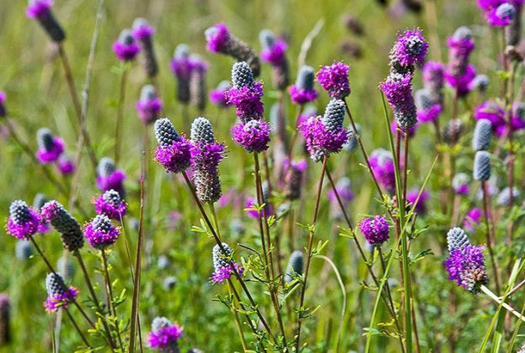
109, 295
489, 232
502, 303
120, 112
77, 328
237, 321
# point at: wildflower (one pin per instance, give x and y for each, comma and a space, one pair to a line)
481, 83
110, 204
206, 154
466, 267
421, 206
499, 13
100, 233
491, 111
411, 130
460, 45
222, 264
143, 32
482, 133
218, 95
294, 178
295, 266
253, 136
249, 205
482, 166
375, 230
164, 335
245, 93
198, 82
274, 52
398, 92
460, 184
3, 110
409, 49
58, 294
220, 40
303, 90
457, 239
472, 219
65, 224
125, 47
334, 80
452, 130
66, 164
49, 147
382, 165
41, 11
504, 196
173, 151
23, 221
352, 142
182, 66
427, 111
462, 84
109, 177
433, 81
149, 105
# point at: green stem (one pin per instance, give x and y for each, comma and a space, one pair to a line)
109, 294
120, 112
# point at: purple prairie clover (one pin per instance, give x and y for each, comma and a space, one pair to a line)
398, 91
334, 79
206, 154
472, 219
464, 83
23, 221
218, 96
253, 136
303, 90
197, 83
491, 111
411, 130
110, 204
181, 66
100, 232
427, 110
499, 13
249, 205
460, 184
66, 164
482, 135
375, 230
58, 294
457, 239
325, 135
308, 112
143, 32
149, 105
421, 206
220, 40
274, 53
68, 227
125, 47
293, 178
41, 11
245, 93
49, 147
3, 110
222, 264
109, 177
164, 335
382, 165
433, 80
295, 266
460, 45
410, 49
504, 197
173, 151
482, 166
466, 267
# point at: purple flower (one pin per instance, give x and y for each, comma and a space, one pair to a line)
463, 83
334, 79
217, 38
253, 135
224, 273
38, 8
100, 232
164, 335
472, 219
23, 221
222, 264
142, 30
429, 115
3, 110
398, 91
500, 13
303, 90
58, 294
411, 130
433, 80
466, 267
41, 11
319, 141
149, 105
382, 165
173, 151
245, 93
109, 177
460, 183
375, 230
49, 147
111, 204
421, 206
66, 165
273, 50
249, 205
343, 190
293, 178
491, 111
409, 49
125, 47
460, 45
218, 95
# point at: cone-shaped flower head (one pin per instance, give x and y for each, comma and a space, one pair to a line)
334, 79
482, 166
149, 105
65, 224
221, 263
466, 267
409, 49
41, 11
218, 95
23, 221
500, 13
220, 40
182, 67
504, 196
173, 151
383, 168
293, 179
274, 52
375, 230
427, 111
460, 45
398, 92
482, 133
49, 147
164, 335
253, 136
460, 183
100, 232
109, 177
143, 32
205, 157
295, 266
245, 93
58, 294
303, 90
110, 204
198, 91
125, 47
433, 80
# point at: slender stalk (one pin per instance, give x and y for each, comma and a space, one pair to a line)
110, 298
120, 112
84, 339
490, 234
295, 134
237, 321
309, 252
516, 288
502, 303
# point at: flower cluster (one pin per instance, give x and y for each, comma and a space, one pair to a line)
190, 72
222, 264
109, 177
410, 49
334, 80
375, 230
23, 221
427, 109
295, 266
68, 227
421, 205
303, 90
293, 179
398, 91
383, 167
50, 148
460, 184
143, 32
173, 151
100, 232
41, 11
274, 53
164, 335
459, 74
125, 47
198, 93
500, 13
58, 294
110, 204
466, 267
149, 105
